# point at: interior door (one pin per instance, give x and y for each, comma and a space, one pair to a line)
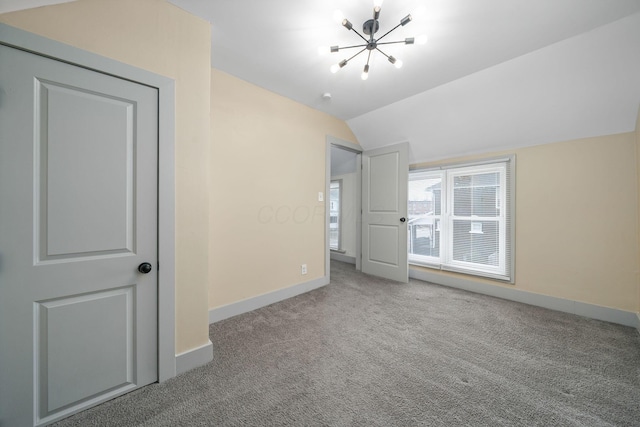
78, 216
385, 177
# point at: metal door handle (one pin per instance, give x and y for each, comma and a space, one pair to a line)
145, 268
403, 219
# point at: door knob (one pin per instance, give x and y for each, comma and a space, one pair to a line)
144, 268
403, 219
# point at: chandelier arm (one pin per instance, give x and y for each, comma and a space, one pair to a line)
373, 29
361, 36
356, 54
351, 47
399, 41
382, 53
368, 58
385, 34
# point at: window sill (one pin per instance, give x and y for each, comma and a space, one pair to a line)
479, 274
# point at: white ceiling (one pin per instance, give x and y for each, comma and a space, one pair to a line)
494, 74
273, 44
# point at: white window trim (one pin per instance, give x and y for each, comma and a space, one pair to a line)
507, 225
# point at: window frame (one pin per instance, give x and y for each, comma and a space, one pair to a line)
505, 271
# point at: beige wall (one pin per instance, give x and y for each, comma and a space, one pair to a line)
267, 167
577, 220
156, 36
638, 176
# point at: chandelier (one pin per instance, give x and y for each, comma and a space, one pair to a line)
370, 28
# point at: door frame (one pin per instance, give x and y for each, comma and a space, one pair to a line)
354, 148
23, 40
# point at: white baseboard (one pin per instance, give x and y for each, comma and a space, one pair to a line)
342, 257
193, 358
613, 315
224, 312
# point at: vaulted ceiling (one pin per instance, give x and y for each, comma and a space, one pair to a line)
494, 74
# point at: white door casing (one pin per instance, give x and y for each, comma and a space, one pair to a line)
78, 214
385, 176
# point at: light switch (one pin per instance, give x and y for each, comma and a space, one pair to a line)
320, 197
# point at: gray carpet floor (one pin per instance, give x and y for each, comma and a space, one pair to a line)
364, 351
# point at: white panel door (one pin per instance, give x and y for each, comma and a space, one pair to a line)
385, 176
78, 216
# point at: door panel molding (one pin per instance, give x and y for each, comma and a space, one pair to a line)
110, 216
95, 344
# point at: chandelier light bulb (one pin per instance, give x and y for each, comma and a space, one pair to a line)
322, 50
377, 3
398, 63
420, 13
335, 67
338, 16
365, 73
422, 39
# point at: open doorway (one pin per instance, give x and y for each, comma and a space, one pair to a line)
342, 205
343, 202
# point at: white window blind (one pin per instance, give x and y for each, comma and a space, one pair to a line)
460, 218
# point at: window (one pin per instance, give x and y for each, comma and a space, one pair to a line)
460, 218
335, 190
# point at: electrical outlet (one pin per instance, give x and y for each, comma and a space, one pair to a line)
303, 269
